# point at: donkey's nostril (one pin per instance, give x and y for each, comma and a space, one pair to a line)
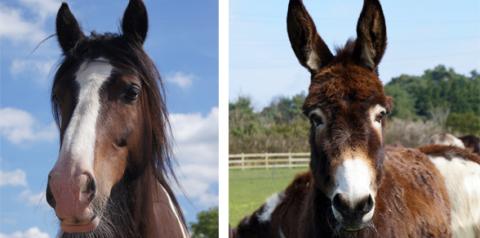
341, 204
349, 209
365, 205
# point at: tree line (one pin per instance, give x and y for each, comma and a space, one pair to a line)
439, 100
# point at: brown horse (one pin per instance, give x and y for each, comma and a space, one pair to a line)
110, 179
357, 187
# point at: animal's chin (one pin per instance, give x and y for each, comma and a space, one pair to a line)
352, 228
81, 228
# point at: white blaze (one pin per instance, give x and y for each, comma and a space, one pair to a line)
353, 179
79, 138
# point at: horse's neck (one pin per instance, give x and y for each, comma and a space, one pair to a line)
154, 210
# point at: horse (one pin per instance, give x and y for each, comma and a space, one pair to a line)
111, 178
446, 139
357, 186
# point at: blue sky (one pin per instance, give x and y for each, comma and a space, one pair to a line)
182, 40
421, 35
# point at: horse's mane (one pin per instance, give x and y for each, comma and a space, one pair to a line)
133, 59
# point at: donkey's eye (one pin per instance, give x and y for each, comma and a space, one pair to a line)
131, 92
381, 116
316, 117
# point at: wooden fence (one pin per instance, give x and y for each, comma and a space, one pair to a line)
268, 160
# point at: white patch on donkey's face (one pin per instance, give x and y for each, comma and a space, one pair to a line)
78, 144
354, 179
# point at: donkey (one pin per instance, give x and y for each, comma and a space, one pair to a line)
111, 176
357, 186
471, 142
446, 139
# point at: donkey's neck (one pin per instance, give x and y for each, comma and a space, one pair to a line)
317, 215
153, 210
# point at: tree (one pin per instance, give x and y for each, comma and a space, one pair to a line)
207, 224
436, 92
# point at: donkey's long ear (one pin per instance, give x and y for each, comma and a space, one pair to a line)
310, 49
68, 30
135, 22
371, 35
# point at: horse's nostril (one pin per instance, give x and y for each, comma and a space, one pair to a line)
49, 195
90, 188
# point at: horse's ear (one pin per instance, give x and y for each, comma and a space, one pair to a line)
371, 35
68, 30
135, 22
310, 49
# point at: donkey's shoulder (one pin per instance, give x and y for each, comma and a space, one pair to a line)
272, 218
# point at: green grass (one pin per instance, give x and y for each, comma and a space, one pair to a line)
249, 189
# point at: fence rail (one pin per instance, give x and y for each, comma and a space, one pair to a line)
268, 160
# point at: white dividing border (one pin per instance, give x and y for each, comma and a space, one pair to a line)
223, 89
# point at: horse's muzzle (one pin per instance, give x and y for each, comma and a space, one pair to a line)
71, 197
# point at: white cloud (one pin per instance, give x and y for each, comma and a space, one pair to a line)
196, 150
13, 178
33, 232
39, 68
19, 126
34, 199
181, 79
42, 8
16, 28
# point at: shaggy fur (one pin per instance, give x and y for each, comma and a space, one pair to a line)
411, 197
471, 142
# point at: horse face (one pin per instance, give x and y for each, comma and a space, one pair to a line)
346, 106
99, 105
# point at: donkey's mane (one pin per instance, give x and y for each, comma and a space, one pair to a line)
133, 60
344, 53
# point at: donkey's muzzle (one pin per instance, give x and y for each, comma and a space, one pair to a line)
353, 215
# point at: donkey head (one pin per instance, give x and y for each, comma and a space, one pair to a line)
346, 106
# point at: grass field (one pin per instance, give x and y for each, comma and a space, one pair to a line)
249, 189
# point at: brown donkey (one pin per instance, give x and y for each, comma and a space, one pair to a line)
110, 179
356, 186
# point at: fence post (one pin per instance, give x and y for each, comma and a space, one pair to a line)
266, 160
243, 161
289, 160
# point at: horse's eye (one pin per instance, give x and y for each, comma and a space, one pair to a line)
381, 116
131, 92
